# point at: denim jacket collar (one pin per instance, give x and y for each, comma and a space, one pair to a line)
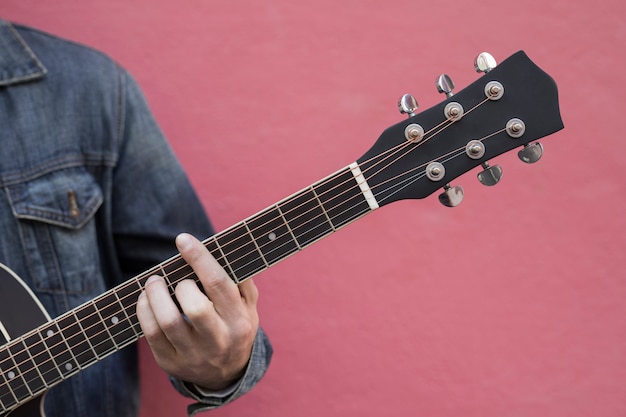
18, 63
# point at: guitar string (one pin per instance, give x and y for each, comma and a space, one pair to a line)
133, 338
441, 126
90, 346
445, 124
93, 359
398, 148
73, 354
455, 152
260, 245
395, 150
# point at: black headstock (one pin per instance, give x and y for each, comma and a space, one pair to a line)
509, 107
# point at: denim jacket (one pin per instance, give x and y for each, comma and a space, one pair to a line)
91, 194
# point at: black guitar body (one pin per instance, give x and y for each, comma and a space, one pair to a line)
20, 312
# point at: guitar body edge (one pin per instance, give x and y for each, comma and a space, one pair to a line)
20, 312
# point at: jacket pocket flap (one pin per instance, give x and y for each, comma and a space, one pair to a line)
67, 197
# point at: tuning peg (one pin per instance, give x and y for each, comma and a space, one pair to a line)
407, 105
484, 62
531, 153
491, 175
451, 196
445, 85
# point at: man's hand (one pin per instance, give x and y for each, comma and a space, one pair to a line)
212, 347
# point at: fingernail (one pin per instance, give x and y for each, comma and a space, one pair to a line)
183, 241
152, 279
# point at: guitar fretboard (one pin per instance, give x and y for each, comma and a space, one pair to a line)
35, 362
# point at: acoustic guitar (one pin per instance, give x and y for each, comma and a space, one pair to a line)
510, 106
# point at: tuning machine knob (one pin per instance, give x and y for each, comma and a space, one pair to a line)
485, 62
531, 153
491, 175
407, 104
445, 85
451, 196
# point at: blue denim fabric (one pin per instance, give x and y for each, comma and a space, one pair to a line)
91, 195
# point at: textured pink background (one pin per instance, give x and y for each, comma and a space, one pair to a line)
512, 304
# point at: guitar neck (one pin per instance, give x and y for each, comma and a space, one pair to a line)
290, 225
96, 329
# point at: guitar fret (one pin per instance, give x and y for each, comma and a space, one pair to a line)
282, 216
179, 270
5, 393
27, 368
114, 346
8, 396
58, 349
241, 252
114, 317
43, 360
256, 245
68, 364
305, 217
343, 196
82, 332
93, 327
126, 296
272, 235
322, 207
12, 374
173, 271
216, 250
77, 341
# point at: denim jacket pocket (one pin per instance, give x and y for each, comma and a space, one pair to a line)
55, 214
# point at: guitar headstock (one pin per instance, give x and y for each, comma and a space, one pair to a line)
513, 104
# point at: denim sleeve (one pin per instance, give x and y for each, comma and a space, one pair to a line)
153, 201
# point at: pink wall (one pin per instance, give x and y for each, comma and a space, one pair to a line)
510, 305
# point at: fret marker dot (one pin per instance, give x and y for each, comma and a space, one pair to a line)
11, 374
115, 320
271, 236
68, 366
49, 333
